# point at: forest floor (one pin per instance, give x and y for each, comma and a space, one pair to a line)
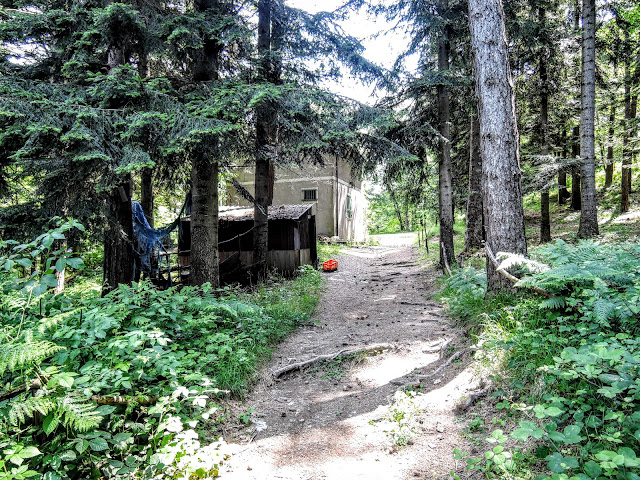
350, 418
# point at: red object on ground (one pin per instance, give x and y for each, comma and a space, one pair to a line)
330, 266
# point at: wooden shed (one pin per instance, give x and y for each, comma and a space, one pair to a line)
292, 239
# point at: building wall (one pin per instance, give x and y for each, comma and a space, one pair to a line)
331, 196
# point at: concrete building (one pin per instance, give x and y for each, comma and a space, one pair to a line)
335, 195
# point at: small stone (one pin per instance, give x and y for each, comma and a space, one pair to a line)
249, 468
302, 420
283, 414
437, 381
439, 428
431, 445
410, 442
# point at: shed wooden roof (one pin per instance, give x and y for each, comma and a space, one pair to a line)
276, 212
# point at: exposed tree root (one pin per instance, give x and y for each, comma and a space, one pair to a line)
443, 366
472, 398
347, 351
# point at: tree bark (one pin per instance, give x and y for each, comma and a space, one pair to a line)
205, 259
146, 194
625, 189
576, 196
563, 193
117, 263
545, 216
502, 197
445, 184
589, 208
118, 237
474, 233
263, 162
608, 169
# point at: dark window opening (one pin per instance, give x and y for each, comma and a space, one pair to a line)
309, 194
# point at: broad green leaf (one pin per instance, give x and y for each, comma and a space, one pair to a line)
49, 279
29, 452
75, 262
68, 456
559, 464
527, 429
571, 434
50, 423
592, 469
98, 444
61, 264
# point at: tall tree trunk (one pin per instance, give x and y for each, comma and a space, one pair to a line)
205, 258
589, 208
627, 130
576, 196
146, 194
146, 175
502, 197
608, 169
270, 30
396, 206
117, 263
445, 184
118, 238
545, 216
563, 193
474, 233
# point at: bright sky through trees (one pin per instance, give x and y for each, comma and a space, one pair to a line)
383, 44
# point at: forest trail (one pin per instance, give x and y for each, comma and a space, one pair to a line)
351, 419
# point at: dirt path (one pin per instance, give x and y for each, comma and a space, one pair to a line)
351, 420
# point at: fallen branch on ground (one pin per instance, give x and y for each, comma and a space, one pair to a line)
125, 400
512, 278
347, 351
32, 385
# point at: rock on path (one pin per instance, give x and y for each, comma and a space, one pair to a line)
348, 420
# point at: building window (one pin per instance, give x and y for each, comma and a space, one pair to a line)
309, 194
349, 215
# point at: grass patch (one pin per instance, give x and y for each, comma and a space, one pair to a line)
329, 251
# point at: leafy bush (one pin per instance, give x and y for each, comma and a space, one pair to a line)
575, 358
124, 386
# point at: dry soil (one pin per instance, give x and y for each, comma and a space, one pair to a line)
351, 419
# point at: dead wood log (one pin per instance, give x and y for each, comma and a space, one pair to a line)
125, 400
347, 351
32, 385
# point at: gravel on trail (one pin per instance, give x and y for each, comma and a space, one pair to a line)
350, 418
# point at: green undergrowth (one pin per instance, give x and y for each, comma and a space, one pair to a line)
566, 367
329, 251
126, 386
